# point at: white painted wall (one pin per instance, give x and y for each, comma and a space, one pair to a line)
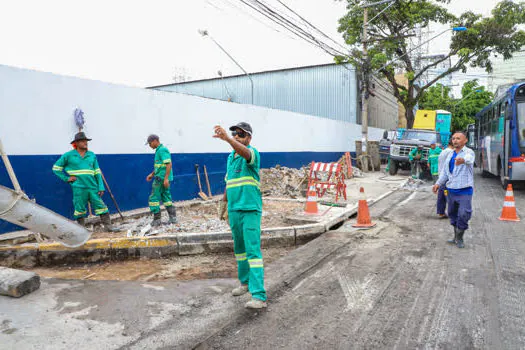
36, 118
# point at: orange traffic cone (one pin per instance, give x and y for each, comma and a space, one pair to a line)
509, 207
363, 214
311, 200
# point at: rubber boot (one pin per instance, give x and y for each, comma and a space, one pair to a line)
156, 219
172, 212
106, 221
82, 221
459, 242
453, 241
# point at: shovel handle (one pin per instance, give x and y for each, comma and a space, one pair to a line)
198, 176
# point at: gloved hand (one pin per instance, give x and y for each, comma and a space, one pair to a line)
223, 210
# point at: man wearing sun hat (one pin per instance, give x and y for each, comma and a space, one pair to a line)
244, 203
79, 167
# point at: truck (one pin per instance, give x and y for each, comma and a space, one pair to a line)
429, 126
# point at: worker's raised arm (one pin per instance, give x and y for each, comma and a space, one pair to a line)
238, 147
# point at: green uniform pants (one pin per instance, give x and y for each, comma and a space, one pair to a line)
159, 193
246, 232
81, 197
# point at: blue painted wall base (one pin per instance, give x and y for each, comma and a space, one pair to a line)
126, 175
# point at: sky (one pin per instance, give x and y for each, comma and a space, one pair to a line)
146, 43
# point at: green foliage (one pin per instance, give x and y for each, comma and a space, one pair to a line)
390, 32
437, 97
473, 99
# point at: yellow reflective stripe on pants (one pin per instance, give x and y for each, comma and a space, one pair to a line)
101, 211
240, 257
168, 204
76, 213
154, 204
255, 263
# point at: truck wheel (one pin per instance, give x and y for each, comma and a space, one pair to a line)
393, 167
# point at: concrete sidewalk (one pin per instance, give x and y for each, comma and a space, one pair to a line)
136, 315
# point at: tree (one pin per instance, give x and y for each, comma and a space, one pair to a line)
473, 99
389, 35
437, 97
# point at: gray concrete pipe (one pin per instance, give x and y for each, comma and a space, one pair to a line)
17, 209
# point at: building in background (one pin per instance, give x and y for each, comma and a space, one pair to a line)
328, 91
506, 73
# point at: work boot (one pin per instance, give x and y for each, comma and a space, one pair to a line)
82, 221
242, 289
459, 242
255, 304
156, 219
453, 241
106, 221
172, 213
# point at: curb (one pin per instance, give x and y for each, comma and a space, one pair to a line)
117, 249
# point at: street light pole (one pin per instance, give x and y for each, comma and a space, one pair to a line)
470, 93
205, 33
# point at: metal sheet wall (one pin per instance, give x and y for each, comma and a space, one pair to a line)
329, 91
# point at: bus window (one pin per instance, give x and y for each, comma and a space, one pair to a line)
521, 122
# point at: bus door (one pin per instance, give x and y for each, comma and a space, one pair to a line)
506, 113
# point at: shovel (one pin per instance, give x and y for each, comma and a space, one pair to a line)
201, 194
207, 181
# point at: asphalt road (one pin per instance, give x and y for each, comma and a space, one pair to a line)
402, 286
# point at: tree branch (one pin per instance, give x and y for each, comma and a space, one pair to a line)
435, 63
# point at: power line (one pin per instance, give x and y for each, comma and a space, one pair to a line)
258, 20
288, 23
311, 25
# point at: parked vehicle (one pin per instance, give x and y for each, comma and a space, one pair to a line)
498, 136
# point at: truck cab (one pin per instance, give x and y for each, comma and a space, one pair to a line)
411, 138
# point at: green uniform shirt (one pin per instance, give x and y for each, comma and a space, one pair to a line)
85, 169
433, 157
414, 152
243, 182
162, 157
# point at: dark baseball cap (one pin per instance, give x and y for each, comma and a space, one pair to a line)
151, 138
243, 126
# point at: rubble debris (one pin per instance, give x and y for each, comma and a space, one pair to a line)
284, 182
413, 184
200, 218
17, 283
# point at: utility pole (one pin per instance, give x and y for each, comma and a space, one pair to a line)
364, 94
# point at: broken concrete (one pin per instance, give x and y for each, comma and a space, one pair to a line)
17, 283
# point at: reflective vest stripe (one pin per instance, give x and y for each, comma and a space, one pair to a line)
244, 178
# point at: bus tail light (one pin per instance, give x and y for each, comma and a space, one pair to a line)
517, 159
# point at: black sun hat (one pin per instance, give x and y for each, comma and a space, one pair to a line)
79, 137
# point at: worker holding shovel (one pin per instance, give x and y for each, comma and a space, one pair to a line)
161, 175
243, 197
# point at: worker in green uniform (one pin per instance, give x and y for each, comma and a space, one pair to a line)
79, 167
244, 203
433, 157
416, 158
162, 176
